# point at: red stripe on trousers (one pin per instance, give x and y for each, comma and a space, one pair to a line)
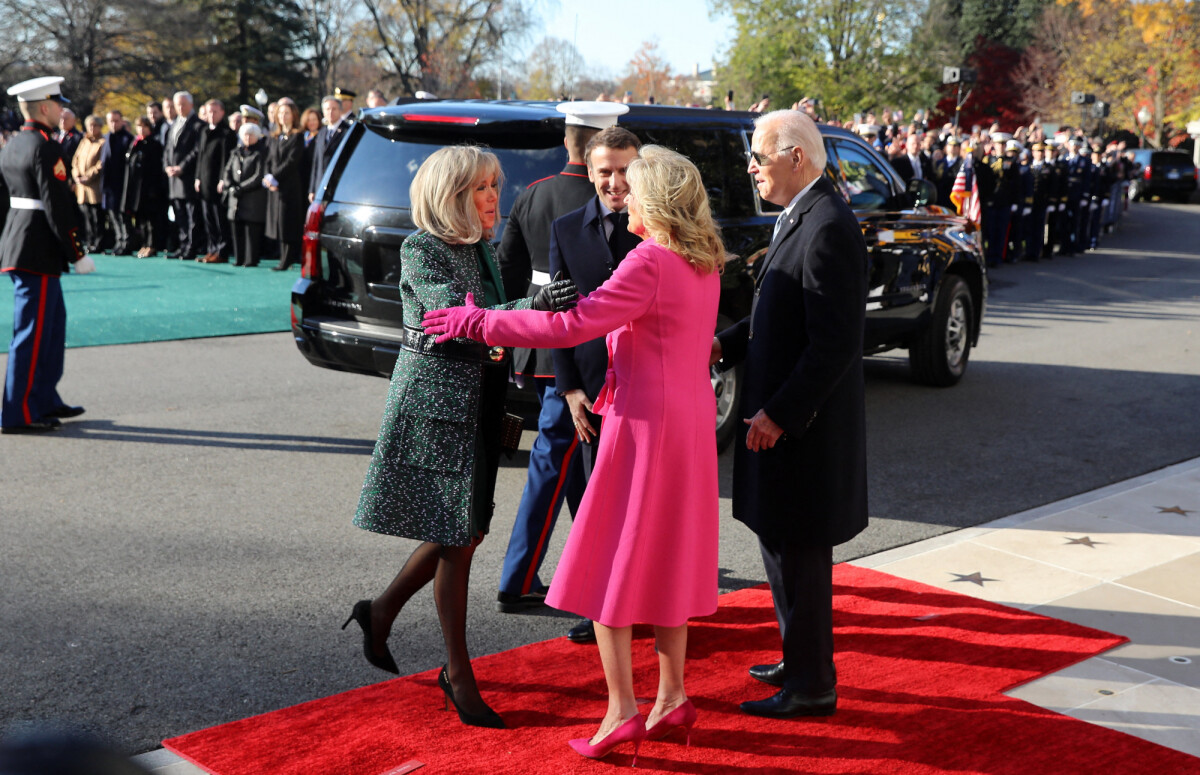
37, 343
562, 478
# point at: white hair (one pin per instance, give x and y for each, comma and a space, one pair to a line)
247, 130
794, 129
187, 95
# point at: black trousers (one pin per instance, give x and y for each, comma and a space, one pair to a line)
185, 222
801, 579
216, 228
118, 221
247, 242
93, 224
289, 253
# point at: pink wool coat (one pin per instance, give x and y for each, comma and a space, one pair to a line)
643, 548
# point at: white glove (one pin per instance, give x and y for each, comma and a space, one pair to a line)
1027, 211
269, 180
85, 265
1083, 203
1062, 206
1014, 208
1105, 203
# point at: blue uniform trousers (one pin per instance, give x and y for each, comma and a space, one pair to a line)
555, 472
35, 356
1035, 233
995, 232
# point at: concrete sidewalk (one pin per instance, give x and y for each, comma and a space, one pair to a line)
1124, 559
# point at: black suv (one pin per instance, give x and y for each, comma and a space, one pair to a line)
928, 284
1163, 174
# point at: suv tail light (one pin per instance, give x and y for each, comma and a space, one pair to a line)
310, 252
1146, 172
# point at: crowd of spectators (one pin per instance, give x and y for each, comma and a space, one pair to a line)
198, 182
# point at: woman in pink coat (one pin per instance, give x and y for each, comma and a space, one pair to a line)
643, 548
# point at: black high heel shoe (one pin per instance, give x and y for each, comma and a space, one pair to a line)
362, 615
489, 718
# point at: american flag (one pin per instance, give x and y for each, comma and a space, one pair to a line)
965, 193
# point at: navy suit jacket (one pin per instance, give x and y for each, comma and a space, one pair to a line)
579, 249
327, 142
802, 348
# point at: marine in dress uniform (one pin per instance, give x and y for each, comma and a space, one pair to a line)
1041, 179
555, 468
347, 98
1075, 186
40, 241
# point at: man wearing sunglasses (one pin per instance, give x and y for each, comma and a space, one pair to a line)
799, 471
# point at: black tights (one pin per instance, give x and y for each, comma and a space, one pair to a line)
449, 568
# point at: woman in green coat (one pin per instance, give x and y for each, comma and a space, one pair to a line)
433, 473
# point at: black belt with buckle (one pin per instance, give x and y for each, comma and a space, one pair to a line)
416, 341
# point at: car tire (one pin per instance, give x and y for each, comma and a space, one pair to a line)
727, 386
940, 353
1135, 191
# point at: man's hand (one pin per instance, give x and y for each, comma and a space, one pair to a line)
716, 353
310, 198
220, 186
578, 401
197, 185
763, 432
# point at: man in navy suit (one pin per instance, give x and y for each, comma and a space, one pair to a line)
328, 140
800, 469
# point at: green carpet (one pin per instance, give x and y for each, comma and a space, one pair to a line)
129, 300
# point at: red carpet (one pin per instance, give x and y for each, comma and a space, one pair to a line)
920, 672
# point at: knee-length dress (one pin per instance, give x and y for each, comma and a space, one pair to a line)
643, 548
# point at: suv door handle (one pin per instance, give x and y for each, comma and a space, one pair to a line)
384, 235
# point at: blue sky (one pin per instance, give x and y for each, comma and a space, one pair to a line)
611, 31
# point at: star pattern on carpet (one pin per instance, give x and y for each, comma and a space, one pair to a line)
1085, 541
974, 578
1173, 510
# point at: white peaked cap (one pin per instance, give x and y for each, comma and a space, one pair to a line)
37, 89
597, 115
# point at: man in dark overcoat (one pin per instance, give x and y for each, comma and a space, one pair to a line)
328, 140
112, 179
217, 142
39, 242
180, 155
800, 461
555, 468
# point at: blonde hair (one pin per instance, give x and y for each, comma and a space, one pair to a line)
441, 193
674, 206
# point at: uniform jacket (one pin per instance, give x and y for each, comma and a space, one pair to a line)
112, 177
243, 181
944, 175
287, 206
1043, 176
802, 349
88, 164
419, 482
325, 146
216, 143
525, 244
145, 182
182, 149
579, 249
42, 241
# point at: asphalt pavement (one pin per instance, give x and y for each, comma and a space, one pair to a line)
182, 555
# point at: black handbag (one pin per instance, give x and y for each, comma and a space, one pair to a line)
511, 426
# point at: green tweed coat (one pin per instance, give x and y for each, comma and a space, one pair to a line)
420, 480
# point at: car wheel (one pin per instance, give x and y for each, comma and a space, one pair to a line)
727, 386
1135, 191
939, 355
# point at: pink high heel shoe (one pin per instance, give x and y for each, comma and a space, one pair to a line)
683, 716
632, 731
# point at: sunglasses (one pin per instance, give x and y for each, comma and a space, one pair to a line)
763, 159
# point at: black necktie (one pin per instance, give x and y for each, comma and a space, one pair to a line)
620, 225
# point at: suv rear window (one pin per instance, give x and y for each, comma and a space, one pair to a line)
1168, 160
379, 170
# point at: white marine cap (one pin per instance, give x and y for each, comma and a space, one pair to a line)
1000, 137
251, 112
37, 89
1013, 145
596, 115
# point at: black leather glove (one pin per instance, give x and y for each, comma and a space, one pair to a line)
559, 296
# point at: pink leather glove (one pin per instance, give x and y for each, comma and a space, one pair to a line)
455, 322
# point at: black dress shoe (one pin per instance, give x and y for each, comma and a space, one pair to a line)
584, 632
65, 412
507, 603
789, 704
37, 426
768, 674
